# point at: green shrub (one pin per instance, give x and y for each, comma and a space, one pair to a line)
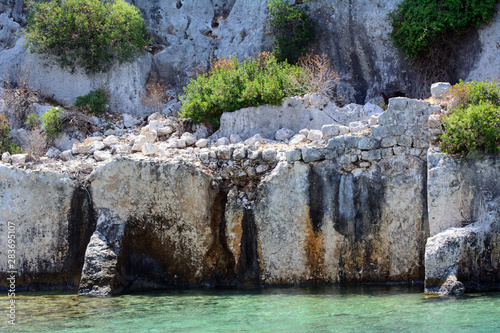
474, 92
91, 34
472, 129
52, 122
232, 85
292, 28
32, 121
419, 25
95, 101
6, 145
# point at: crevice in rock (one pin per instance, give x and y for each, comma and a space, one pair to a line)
249, 268
219, 260
82, 224
316, 204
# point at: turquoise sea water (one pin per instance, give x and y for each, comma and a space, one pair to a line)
364, 308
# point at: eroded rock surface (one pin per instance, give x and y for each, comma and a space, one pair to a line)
465, 247
51, 218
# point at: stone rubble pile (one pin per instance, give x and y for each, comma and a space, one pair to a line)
401, 130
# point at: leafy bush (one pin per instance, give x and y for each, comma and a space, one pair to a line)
474, 124
5, 143
231, 85
475, 128
474, 92
95, 101
293, 29
32, 121
91, 34
52, 122
419, 25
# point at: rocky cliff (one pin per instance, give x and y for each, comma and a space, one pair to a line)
357, 207
189, 33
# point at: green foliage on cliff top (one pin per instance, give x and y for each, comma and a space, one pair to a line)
292, 28
231, 85
474, 126
419, 25
91, 34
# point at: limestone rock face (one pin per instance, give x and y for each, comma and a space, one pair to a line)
52, 220
316, 224
157, 227
464, 219
294, 114
126, 82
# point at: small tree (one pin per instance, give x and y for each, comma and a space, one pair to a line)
91, 34
293, 30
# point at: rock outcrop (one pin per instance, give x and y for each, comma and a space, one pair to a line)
190, 33
463, 253
157, 227
51, 218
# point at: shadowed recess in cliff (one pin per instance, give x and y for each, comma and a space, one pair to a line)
249, 269
150, 258
219, 260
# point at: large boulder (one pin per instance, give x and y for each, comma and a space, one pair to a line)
51, 219
157, 227
319, 225
463, 253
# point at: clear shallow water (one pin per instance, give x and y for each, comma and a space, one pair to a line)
304, 309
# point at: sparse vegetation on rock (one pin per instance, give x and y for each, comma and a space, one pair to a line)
90, 34
418, 26
473, 125
292, 30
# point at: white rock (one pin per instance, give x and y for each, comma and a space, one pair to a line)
189, 138
330, 130
19, 158
80, 148
149, 149
95, 121
201, 143
357, 126
235, 138
102, 155
122, 149
439, 89
98, 145
66, 155
180, 143
304, 132
269, 155
318, 100
253, 140
153, 117
156, 125
110, 140
343, 130
315, 135
201, 131
53, 152
6, 158
130, 121
283, 134
373, 120
222, 142
298, 138
139, 142
166, 130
